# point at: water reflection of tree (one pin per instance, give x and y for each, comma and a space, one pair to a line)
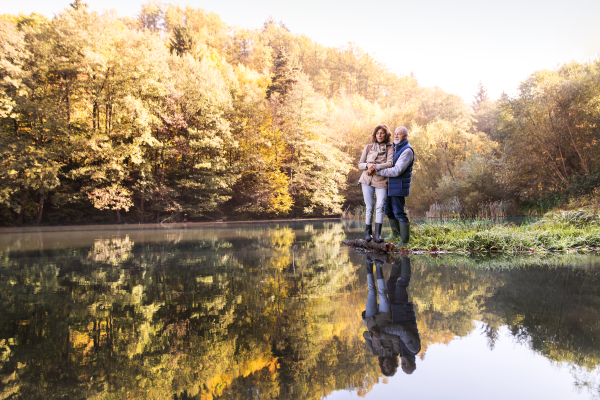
555, 311
449, 300
269, 311
174, 318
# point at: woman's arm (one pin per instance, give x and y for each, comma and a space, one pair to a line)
362, 163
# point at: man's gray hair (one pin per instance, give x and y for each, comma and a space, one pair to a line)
401, 129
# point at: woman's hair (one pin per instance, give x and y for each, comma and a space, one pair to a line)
389, 371
388, 133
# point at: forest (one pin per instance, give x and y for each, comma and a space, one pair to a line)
173, 115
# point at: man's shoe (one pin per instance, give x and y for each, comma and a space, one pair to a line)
368, 233
395, 225
377, 236
405, 232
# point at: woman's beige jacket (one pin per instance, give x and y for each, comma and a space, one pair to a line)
381, 154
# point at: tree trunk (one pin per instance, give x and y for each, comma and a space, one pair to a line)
94, 115
22, 211
118, 216
384, 247
449, 170
142, 209
40, 210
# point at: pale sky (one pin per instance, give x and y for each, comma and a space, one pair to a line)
450, 44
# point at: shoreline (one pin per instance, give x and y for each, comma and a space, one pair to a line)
139, 226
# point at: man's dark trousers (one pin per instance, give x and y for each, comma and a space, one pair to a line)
394, 208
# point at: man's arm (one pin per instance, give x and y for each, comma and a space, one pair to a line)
369, 342
403, 162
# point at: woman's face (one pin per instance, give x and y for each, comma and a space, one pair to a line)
380, 135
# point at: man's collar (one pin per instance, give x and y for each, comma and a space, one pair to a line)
401, 143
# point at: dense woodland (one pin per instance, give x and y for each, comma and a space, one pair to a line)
174, 115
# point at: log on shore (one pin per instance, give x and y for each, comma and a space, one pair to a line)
363, 244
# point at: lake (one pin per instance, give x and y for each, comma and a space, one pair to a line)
274, 311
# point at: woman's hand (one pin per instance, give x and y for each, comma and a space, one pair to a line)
371, 170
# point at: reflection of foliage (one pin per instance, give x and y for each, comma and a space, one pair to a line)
587, 380
111, 251
201, 315
275, 309
502, 261
557, 314
448, 301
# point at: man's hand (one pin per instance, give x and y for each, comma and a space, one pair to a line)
376, 331
371, 170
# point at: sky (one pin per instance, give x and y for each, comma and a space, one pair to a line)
453, 44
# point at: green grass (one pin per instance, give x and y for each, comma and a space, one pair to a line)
577, 229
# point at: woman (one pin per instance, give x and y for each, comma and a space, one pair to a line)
375, 156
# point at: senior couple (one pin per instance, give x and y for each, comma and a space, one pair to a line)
387, 175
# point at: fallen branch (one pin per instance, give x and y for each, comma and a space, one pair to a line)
363, 244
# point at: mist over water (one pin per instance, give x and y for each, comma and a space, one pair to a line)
273, 311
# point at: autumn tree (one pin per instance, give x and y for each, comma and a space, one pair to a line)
284, 75
483, 110
550, 123
181, 42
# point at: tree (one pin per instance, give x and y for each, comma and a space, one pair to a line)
550, 123
33, 141
481, 95
181, 41
152, 16
483, 110
284, 75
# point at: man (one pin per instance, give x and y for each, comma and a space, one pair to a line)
400, 176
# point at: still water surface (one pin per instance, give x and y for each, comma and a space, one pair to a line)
273, 311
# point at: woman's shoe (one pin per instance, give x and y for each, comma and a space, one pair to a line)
379, 268
368, 233
377, 236
369, 265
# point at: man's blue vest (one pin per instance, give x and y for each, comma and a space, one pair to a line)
400, 185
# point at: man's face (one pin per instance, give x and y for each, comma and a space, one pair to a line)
407, 366
398, 136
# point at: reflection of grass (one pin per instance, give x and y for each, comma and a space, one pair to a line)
489, 261
566, 230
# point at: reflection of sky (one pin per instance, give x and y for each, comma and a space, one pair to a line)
467, 369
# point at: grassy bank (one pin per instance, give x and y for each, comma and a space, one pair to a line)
577, 229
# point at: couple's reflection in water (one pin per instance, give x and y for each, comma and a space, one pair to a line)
390, 317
